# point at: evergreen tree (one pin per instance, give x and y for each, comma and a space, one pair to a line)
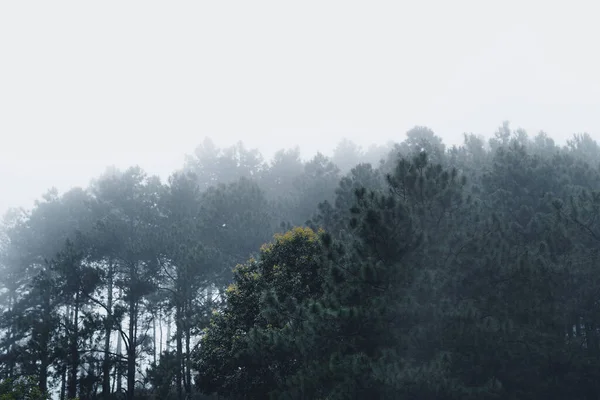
237, 357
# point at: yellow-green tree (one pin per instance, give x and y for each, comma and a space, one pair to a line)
237, 357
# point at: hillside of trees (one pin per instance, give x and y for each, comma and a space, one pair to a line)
412, 270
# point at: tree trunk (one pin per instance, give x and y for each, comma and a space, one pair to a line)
154, 337
168, 332
118, 369
11, 363
188, 363
188, 335
63, 382
131, 349
107, 332
44, 339
178, 357
160, 329
74, 350
118, 366
44, 374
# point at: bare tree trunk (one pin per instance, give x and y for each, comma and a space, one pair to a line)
74, 350
154, 336
178, 357
168, 332
119, 352
161, 333
107, 331
188, 363
63, 374
188, 334
11, 364
44, 342
63, 382
44, 367
131, 349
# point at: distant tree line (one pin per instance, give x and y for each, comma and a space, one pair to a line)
411, 270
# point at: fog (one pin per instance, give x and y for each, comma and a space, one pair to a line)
87, 85
432, 238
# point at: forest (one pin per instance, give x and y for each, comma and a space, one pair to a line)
411, 270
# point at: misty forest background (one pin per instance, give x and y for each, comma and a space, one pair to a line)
410, 270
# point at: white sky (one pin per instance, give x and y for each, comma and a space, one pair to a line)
88, 84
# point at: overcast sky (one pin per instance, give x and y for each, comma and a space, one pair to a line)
88, 84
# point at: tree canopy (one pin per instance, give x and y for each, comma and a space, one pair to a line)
410, 270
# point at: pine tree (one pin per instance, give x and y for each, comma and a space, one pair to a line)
238, 357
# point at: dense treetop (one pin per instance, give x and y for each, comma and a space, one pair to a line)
411, 270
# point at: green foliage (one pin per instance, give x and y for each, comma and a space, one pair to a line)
237, 357
236, 220
439, 286
213, 166
317, 183
162, 376
24, 388
460, 273
347, 155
